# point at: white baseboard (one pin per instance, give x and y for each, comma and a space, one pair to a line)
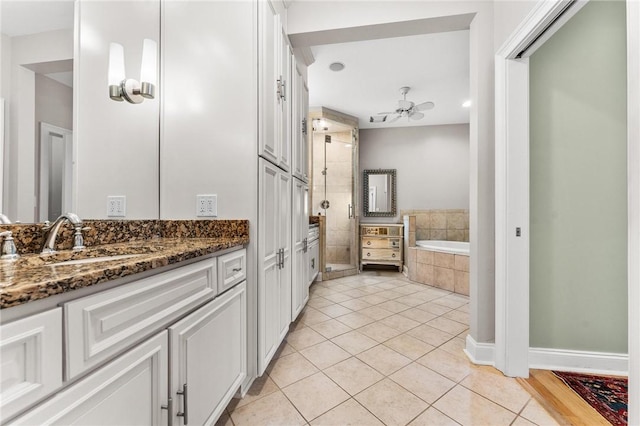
579, 361
479, 353
556, 359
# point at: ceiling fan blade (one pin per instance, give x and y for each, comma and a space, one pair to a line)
425, 106
405, 104
415, 115
396, 118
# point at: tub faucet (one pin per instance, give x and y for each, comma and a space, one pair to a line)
51, 232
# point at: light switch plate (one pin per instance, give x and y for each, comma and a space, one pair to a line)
206, 205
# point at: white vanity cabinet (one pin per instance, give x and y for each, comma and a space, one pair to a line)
119, 343
31, 355
300, 248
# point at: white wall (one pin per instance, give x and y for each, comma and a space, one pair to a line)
431, 162
117, 142
209, 119
507, 15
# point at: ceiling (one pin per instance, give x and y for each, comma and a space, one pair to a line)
22, 17
435, 66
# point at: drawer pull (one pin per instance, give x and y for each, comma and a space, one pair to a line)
368, 254
368, 243
237, 269
185, 412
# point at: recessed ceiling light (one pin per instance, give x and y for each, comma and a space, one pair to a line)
466, 104
336, 66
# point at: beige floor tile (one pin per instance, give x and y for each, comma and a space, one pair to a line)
376, 312
369, 290
410, 300
447, 325
417, 314
424, 383
353, 375
321, 291
274, 409
379, 332
284, 350
393, 306
454, 367
535, 413
224, 420
355, 319
355, 293
312, 316
315, 395
319, 302
385, 285
304, 338
339, 286
409, 346
390, 403
261, 387
349, 413
373, 299
464, 308
458, 315
399, 322
384, 359
356, 304
331, 328
338, 297
430, 335
335, 310
521, 421
469, 408
434, 308
325, 354
452, 301
455, 346
354, 342
433, 417
492, 384
389, 294
289, 369
405, 289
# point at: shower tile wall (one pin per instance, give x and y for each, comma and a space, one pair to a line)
447, 225
339, 187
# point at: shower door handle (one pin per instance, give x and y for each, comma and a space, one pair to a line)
350, 211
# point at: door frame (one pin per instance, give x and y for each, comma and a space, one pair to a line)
46, 131
512, 191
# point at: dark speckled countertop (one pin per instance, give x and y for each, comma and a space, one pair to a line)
34, 277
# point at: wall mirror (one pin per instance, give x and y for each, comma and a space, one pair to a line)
379, 193
66, 145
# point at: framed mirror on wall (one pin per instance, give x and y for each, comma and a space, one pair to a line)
379, 193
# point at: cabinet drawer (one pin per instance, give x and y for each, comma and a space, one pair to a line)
100, 326
232, 268
31, 353
380, 254
375, 243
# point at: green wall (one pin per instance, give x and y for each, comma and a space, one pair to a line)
579, 184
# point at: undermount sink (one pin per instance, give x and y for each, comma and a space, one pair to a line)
93, 260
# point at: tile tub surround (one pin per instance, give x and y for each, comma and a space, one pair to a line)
446, 225
32, 277
443, 270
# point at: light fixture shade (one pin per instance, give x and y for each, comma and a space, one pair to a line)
149, 70
116, 64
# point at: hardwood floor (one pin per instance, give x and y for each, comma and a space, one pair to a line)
560, 401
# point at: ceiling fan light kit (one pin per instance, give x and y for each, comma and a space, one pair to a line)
405, 109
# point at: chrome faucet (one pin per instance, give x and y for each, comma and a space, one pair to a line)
9, 251
52, 232
4, 219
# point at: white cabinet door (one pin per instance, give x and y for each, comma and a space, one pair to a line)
285, 57
274, 260
300, 225
305, 130
208, 358
130, 390
31, 354
269, 64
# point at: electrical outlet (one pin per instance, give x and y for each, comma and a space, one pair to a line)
116, 206
207, 205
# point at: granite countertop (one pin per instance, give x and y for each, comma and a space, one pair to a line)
34, 277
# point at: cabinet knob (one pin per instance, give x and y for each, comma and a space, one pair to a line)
368, 254
393, 255
368, 243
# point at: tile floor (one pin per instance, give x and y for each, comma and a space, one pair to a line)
377, 349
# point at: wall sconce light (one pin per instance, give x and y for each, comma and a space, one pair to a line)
133, 91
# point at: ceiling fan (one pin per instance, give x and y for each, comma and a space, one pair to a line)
405, 109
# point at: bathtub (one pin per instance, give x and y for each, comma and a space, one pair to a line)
453, 247
442, 264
